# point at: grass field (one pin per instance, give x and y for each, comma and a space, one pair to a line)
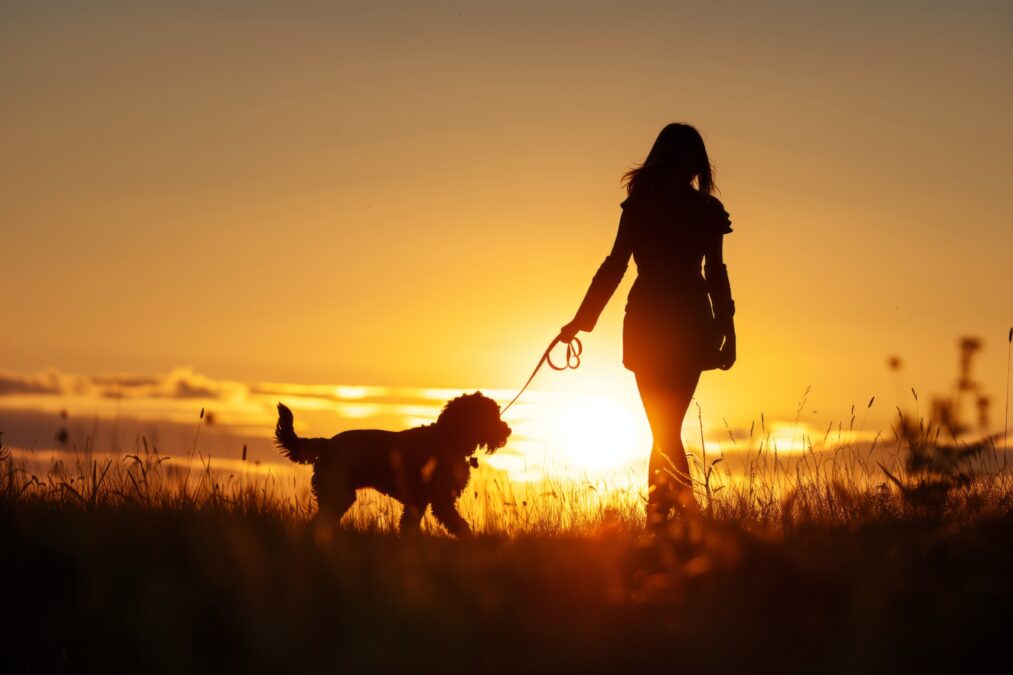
892, 556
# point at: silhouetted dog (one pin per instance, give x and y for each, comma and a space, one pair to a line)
425, 465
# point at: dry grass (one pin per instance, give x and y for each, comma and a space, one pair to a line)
752, 483
848, 557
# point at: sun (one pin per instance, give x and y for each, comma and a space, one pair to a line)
596, 433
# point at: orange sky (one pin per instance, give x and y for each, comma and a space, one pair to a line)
417, 194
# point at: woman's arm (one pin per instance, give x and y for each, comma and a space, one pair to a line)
720, 291
604, 283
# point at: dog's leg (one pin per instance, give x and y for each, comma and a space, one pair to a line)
332, 507
411, 519
445, 511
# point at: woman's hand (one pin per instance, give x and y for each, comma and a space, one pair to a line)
727, 354
568, 332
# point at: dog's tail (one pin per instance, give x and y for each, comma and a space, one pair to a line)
301, 450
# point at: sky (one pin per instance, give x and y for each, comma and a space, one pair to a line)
415, 194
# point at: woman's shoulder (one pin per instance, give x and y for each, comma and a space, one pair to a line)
711, 200
714, 213
629, 202
691, 202
641, 198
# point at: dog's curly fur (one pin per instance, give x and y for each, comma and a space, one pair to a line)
426, 465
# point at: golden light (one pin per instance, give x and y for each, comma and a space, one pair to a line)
596, 433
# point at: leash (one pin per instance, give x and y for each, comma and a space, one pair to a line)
573, 351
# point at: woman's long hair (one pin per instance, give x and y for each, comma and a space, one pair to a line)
678, 155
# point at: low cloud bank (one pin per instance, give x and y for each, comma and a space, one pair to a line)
180, 383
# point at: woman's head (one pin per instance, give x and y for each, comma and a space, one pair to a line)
678, 156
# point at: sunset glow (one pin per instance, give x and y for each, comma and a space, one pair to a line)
315, 214
224, 228
595, 433
291, 295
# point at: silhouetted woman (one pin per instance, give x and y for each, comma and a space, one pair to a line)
678, 322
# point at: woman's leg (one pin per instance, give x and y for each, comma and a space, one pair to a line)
666, 400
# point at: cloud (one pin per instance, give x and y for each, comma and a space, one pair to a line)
180, 383
124, 380
185, 383
39, 383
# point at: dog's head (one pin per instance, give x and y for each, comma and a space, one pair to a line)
474, 419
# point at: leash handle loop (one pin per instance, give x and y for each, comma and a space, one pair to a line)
574, 349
